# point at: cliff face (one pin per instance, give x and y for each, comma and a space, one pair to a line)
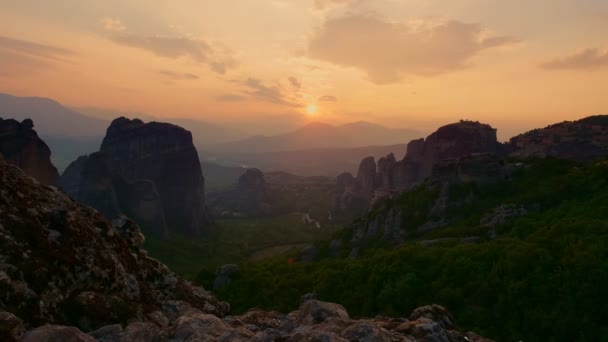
20, 145
149, 171
388, 176
582, 140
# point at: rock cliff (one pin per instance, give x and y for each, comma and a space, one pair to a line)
148, 171
389, 176
249, 197
20, 145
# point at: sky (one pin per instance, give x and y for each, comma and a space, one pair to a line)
515, 64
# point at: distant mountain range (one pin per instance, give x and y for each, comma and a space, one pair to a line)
321, 136
313, 162
314, 149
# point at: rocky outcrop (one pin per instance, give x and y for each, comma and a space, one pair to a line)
147, 171
582, 140
64, 263
389, 176
249, 197
20, 145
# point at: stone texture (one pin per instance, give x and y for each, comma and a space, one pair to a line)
63, 263
20, 145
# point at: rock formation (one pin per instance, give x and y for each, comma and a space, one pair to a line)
150, 172
249, 197
582, 140
67, 274
389, 176
20, 145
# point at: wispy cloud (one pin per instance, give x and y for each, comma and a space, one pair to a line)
295, 83
178, 75
586, 59
230, 98
33, 49
274, 94
175, 47
385, 50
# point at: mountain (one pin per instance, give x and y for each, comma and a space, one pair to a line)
314, 162
203, 132
320, 136
74, 132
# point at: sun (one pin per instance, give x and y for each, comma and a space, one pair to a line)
311, 109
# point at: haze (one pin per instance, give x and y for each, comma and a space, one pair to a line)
279, 64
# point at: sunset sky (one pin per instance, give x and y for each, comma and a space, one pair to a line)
515, 64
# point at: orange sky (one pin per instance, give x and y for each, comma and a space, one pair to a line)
410, 63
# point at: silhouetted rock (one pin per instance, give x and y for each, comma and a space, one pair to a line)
249, 197
20, 145
147, 171
582, 140
389, 176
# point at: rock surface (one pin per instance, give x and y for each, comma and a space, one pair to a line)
147, 171
20, 145
63, 263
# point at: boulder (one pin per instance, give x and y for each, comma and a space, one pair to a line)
54, 333
223, 275
11, 327
315, 312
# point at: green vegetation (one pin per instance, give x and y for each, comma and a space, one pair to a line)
542, 279
235, 241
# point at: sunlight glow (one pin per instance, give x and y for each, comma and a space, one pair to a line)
311, 109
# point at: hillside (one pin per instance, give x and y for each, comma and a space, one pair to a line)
517, 259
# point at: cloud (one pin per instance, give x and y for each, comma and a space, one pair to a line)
274, 94
586, 59
230, 98
295, 83
31, 49
111, 24
323, 4
178, 75
328, 98
385, 50
218, 59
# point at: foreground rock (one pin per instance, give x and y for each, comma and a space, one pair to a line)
20, 145
148, 171
63, 263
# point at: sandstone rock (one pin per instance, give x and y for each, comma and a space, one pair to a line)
315, 312
249, 197
20, 145
54, 333
366, 177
